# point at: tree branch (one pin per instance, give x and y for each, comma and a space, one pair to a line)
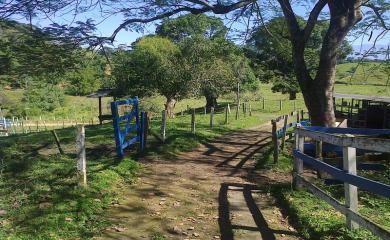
217, 9
377, 10
291, 19
313, 18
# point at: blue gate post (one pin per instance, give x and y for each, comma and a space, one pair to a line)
118, 135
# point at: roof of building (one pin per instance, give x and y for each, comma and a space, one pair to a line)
383, 99
101, 93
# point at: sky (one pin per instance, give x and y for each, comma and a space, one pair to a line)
106, 28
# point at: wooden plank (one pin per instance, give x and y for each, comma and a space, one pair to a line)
358, 181
284, 131
275, 141
362, 221
374, 144
350, 191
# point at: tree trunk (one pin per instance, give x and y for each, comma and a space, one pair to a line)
170, 107
211, 101
318, 92
292, 95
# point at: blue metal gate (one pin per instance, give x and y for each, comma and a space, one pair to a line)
124, 125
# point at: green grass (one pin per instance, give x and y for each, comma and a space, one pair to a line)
39, 188
370, 73
313, 217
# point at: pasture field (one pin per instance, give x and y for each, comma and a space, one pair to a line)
78, 107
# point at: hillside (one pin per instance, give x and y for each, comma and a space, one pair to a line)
367, 73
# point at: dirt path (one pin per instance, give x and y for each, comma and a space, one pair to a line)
212, 192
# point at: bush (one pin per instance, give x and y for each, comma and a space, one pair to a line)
43, 98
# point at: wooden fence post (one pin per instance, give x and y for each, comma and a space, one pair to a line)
302, 114
298, 163
351, 195
23, 127
319, 156
193, 121
81, 162
226, 116
163, 125
284, 131
250, 109
238, 111
275, 141
263, 103
57, 141
211, 117
280, 105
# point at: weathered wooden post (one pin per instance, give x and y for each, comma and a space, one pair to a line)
163, 125
298, 163
250, 109
193, 121
81, 162
280, 105
228, 107
284, 131
211, 117
226, 116
319, 156
237, 112
244, 109
263, 103
23, 130
351, 194
57, 142
275, 141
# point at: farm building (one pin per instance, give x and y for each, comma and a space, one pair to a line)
363, 111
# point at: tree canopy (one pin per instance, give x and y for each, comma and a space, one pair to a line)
343, 16
270, 48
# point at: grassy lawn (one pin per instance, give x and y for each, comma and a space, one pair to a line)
362, 73
316, 219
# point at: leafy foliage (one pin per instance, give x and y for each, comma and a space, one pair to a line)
270, 48
43, 97
152, 67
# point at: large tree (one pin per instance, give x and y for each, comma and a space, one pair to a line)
270, 47
153, 66
317, 90
209, 56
